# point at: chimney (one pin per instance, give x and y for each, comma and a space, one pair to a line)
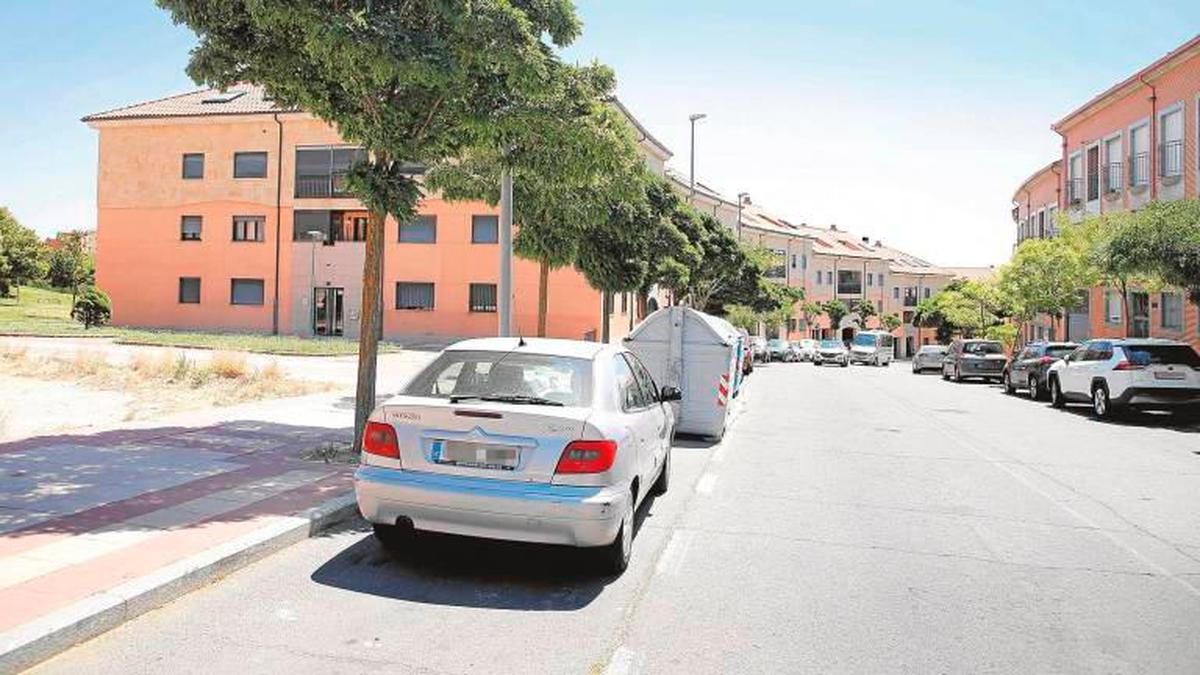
866, 240
832, 227
878, 243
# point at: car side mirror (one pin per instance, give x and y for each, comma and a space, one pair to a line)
668, 394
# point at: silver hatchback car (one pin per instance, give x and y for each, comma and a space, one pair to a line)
549, 441
928, 357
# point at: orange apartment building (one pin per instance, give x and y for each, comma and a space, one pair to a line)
829, 262
223, 210
1134, 142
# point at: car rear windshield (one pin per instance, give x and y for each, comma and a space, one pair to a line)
982, 348
930, 349
562, 379
1154, 355
830, 344
1059, 351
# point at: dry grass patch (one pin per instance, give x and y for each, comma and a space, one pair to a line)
167, 381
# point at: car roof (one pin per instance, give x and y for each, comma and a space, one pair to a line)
1044, 343
579, 349
1134, 342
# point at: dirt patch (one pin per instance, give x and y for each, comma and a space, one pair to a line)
148, 386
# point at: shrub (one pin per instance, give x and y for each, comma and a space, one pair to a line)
92, 307
228, 365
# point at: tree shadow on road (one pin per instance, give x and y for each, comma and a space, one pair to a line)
459, 571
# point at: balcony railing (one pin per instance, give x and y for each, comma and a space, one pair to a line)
1113, 177
321, 186
1075, 190
1170, 160
1139, 169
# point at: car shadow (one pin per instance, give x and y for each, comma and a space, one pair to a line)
442, 569
1142, 419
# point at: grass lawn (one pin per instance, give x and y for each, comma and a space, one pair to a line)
48, 313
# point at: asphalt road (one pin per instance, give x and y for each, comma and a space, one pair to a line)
854, 520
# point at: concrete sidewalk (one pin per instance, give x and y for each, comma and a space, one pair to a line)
97, 528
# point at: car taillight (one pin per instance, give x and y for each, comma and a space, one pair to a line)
380, 439
1126, 365
587, 457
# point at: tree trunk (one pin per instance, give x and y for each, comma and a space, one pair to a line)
543, 293
605, 316
1126, 320
368, 326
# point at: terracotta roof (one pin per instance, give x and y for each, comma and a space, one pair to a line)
1166, 62
239, 99
641, 129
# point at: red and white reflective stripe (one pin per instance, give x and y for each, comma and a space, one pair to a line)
723, 389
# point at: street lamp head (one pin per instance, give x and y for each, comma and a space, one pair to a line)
695, 117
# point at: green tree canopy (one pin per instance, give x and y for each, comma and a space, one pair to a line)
22, 253
412, 82
836, 310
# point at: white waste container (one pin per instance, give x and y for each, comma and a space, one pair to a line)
698, 353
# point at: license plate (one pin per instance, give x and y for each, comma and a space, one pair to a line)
475, 455
1168, 375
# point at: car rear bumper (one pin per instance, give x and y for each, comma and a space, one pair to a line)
974, 370
1159, 397
495, 509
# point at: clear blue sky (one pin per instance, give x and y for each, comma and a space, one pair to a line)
909, 122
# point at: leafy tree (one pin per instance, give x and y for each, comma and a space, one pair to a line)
69, 265
811, 311
672, 255
567, 150
1122, 266
890, 322
742, 316
22, 254
411, 82
92, 307
1043, 277
929, 314
1005, 333
1162, 240
836, 310
865, 309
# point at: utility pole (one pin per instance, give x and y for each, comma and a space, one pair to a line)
504, 288
693, 118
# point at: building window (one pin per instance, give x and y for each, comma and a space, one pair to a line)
189, 228
358, 228
313, 226
1139, 155
1171, 151
189, 290
778, 268
1172, 311
895, 292
926, 293
1112, 307
879, 306
248, 228
803, 261
249, 165
485, 229
793, 261
870, 279
421, 230
482, 298
1052, 221
193, 165
1075, 178
849, 282
819, 277
880, 278
1114, 180
414, 295
245, 291
322, 172
1093, 173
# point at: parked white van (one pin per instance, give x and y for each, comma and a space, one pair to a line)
874, 347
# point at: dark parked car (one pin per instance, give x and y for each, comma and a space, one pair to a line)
1027, 370
983, 359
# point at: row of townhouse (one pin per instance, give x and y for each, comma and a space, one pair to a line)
829, 263
1135, 142
224, 210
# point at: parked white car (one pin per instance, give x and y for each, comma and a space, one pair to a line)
807, 349
550, 441
1114, 375
872, 347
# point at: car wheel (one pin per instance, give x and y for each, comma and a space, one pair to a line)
1035, 389
663, 483
393, 538
1102, 405
1006, 379
614, 558
1056, 395
846, 363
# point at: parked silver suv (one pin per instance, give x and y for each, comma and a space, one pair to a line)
1117, 374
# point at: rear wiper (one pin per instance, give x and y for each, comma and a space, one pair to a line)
520, 398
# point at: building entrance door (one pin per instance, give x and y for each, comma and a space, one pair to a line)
1139, 311
327, 311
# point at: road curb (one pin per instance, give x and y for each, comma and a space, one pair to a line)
34, 642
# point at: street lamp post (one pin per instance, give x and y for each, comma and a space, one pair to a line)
693, 118
315, 236
741, 201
